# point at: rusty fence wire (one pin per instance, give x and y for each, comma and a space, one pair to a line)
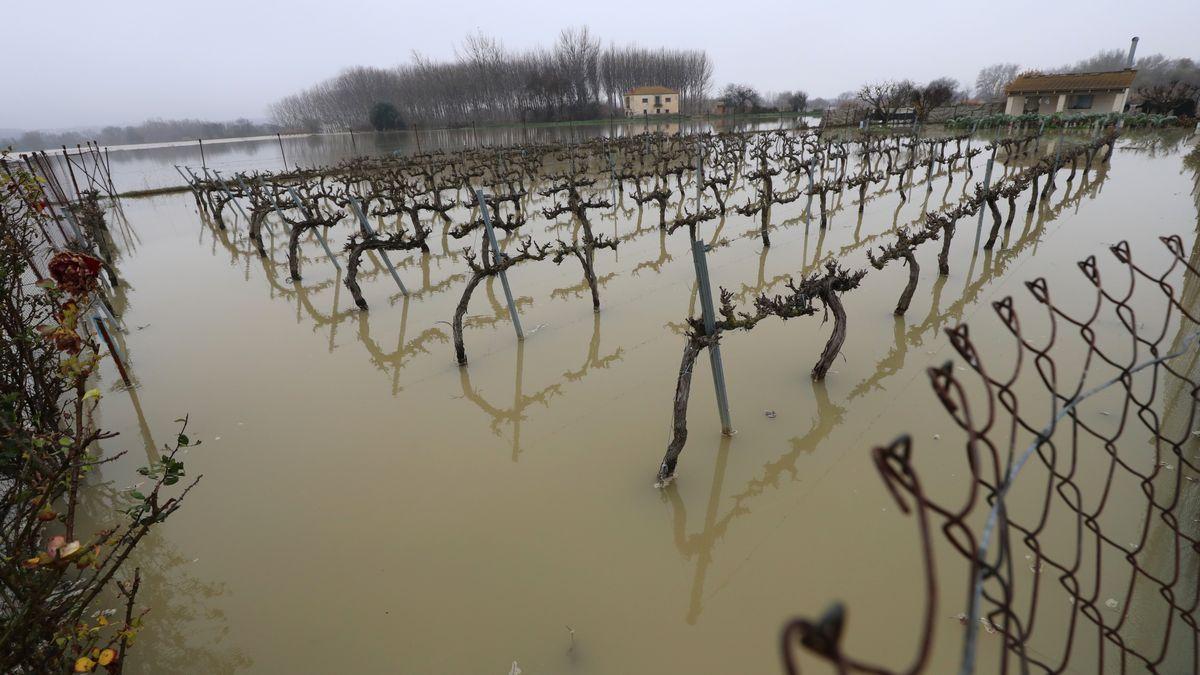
1076, 527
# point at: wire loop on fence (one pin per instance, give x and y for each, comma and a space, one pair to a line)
1106, 518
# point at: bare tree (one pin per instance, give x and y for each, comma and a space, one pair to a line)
1156, 69
793, 101
1105, 59
937, 93
573, 79
740, 96
819, 103
990, 83
1174, 98
885, 98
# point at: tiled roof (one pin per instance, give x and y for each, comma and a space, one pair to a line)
651, 90
1068, 82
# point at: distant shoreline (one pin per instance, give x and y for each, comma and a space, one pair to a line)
646, 120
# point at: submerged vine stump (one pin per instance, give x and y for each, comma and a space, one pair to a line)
904, 249
482, 269
359, 244
826, 288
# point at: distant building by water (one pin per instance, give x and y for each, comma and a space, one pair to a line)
653, 100
1102, 92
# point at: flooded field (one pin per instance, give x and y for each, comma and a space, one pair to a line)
152, 166
370, 506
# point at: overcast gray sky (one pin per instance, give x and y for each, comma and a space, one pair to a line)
123, 61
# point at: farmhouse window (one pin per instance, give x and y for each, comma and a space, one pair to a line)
644, 99
1080, 101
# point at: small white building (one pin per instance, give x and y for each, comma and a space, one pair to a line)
1103, 92
646, 101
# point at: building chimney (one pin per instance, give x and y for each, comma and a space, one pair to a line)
1132, 51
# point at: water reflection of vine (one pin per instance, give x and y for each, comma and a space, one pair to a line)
995, 265
334, 318
582, 288
829, 415
819, 257
303, 294
398, 358
515, 414
701, 545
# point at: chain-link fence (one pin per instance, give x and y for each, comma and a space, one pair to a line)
1076, 513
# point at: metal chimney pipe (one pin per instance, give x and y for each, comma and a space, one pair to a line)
1132, 51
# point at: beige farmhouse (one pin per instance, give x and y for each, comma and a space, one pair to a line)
1070, 92
645, 101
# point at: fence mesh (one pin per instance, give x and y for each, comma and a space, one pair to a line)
1074, 521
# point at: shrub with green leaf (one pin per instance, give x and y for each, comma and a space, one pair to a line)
57, 574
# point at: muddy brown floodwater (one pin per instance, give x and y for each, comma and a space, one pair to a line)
369, 506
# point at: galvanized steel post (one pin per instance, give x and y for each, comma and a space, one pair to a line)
229, 193
987, 183
481, 197
699, 181
366, 226
710, 327
316, 230
246, 188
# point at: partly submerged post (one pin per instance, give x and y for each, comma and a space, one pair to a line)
987, 183
699, 179
281, 152
246, 189
187, 182
229, 193
366, 226
275, 205
70, 218
612, 174
710, 328
112, 349
481, 197
103, 308
195, 178
1057, 160
316, 230
808, 202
